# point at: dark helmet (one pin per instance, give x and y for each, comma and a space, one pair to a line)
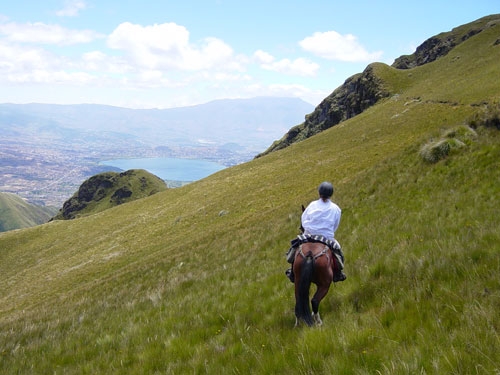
325, 190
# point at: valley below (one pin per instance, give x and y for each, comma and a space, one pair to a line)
46, 173
48, 151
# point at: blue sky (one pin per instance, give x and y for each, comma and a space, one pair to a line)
162, 54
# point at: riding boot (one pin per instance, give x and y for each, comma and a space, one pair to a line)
338, 275
337, 267
290, 275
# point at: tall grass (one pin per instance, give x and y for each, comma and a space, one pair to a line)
422, 294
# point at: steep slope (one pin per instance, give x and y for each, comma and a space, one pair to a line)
190, 280
15, 213
110, 189
363, 90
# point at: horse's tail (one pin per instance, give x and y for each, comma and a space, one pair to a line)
303, 307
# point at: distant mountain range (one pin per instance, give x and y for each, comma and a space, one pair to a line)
250, 123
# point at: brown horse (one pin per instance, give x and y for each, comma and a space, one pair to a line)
313, 264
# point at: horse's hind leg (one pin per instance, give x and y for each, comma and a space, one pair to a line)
315, 314
318, 296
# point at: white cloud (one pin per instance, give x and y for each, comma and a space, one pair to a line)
15, 59
20, 64
45, 34
71, 8
299, 66
263, 57
152, 60
167, 46
58, 77
98, 61
334, 46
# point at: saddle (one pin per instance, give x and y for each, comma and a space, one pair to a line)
334, 246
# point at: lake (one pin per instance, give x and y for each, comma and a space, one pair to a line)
171, 169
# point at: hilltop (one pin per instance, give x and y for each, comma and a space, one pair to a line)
98, 193
109, 189
191, 280
16, 213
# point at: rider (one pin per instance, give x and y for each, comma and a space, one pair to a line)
322, 217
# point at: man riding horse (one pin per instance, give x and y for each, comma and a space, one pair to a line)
320, 220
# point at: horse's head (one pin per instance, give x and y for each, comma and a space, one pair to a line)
301, 227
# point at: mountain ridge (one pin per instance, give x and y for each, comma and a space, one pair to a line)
365, 89
439, 45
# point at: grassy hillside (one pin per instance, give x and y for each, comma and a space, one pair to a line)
16, 213
191, 280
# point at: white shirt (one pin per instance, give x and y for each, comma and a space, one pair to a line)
321, 218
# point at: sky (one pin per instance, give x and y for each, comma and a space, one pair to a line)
164, 54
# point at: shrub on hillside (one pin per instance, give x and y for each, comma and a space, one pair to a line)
432, 152
452, 139
489, 117
462, 133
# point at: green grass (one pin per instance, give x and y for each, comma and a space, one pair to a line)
169, 285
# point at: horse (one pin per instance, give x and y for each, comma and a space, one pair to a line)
313, 264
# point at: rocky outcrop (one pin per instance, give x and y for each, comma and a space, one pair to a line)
358, 93
439, 45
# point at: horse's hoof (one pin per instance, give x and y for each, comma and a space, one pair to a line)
317, 320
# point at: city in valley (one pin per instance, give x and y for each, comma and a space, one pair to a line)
47, 151
47, 174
